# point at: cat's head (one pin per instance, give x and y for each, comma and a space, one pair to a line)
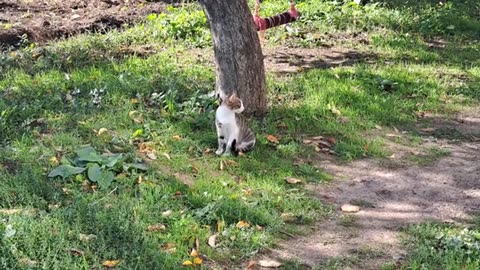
234, 103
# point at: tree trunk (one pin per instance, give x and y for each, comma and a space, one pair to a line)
238, 54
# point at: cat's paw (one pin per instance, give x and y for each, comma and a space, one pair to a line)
219, 152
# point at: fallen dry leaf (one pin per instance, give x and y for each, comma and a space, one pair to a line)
231, 162
131, 113
243, 224
156, 228
220, 225
187, 263
331, 140
10, 211
197, 261
76, 252
101, 131
427, 129
251, 265
194, 253
344, 120
350, 208
194, 170
207, 151
176, 137
258, 228
292, 180
366, 147
86, 238
167, 156
197, 244
222, 165
151, 156
27, 262
282, 125
378, 127
167, 213
169, 248
272, 139
269, 263
212, 240
111, 264
287, 217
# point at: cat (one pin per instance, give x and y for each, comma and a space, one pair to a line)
232, 128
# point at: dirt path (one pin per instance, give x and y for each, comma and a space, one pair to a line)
43, 20
392, 194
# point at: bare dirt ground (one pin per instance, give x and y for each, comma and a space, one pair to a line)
392, 194
44, 20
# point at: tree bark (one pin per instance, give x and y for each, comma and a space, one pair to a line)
238, 54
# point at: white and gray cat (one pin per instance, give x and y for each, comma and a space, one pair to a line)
232, 128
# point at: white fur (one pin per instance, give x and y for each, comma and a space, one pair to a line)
228, 128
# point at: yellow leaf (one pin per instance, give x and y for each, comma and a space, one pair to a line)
272, 139
176, 138
131, 113
187, 263
197, 260
134, 101
54, 161
111, 264
243, 224
194, 253
167, 156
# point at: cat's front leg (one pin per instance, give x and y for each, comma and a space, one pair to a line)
221, 138
230, 144
221, 145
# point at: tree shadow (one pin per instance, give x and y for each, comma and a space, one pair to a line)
284, 60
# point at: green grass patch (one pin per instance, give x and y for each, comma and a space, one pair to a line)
437, 246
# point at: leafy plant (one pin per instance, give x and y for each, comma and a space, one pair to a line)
99, 169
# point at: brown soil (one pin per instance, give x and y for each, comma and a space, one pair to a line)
392, 194
44, 20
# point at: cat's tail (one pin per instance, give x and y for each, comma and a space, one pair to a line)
247, 143
245, 146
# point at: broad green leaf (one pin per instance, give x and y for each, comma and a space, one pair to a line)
65, 171
138, 166
113, 160
106, 179
94, 172
88, 154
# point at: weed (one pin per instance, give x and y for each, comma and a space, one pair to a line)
347, 220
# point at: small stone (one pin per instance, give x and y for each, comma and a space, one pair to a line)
350, 208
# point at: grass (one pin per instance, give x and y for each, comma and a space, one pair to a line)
438, 246
155, 98
432, 155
